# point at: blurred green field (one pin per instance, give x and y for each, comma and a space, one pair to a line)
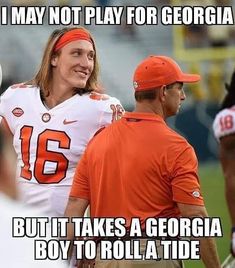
212, 183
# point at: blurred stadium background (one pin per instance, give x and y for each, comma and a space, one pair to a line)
208, 50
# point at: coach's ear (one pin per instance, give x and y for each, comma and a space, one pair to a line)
162, 93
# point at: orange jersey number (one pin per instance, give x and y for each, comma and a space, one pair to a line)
226, 122
25, 136
117, 112
44, 155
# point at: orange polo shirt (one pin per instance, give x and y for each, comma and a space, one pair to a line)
138, 167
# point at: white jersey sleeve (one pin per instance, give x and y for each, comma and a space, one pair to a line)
110, 108
4, 112
224, 123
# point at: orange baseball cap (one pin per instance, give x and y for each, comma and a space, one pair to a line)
156, 71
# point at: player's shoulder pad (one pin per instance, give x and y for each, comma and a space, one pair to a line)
14, 91
224, 123
106, 102
21, 86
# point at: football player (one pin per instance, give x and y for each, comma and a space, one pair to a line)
224, 130
52, 117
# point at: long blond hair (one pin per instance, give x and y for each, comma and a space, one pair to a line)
42, 79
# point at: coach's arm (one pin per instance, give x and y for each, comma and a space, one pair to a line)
76, 207
208, 249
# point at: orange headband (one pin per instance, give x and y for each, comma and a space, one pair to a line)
73, 35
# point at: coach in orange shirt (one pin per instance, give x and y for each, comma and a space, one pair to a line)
139, 167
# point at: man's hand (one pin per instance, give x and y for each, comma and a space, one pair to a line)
233, 242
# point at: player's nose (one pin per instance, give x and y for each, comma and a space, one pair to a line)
84, 61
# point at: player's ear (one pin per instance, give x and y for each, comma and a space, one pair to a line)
162, 93
54, 60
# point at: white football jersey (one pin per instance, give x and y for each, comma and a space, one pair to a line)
224, 123
49, 142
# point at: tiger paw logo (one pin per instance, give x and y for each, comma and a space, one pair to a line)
135, 84
196, 194
18, 112
96, 96
21, 85
46, 117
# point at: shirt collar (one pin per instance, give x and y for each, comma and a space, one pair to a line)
143, 116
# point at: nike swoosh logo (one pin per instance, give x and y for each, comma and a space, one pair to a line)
66, 122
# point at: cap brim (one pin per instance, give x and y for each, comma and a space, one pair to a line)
189, 78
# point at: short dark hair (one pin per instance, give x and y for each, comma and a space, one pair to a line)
149, 94
229, 99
